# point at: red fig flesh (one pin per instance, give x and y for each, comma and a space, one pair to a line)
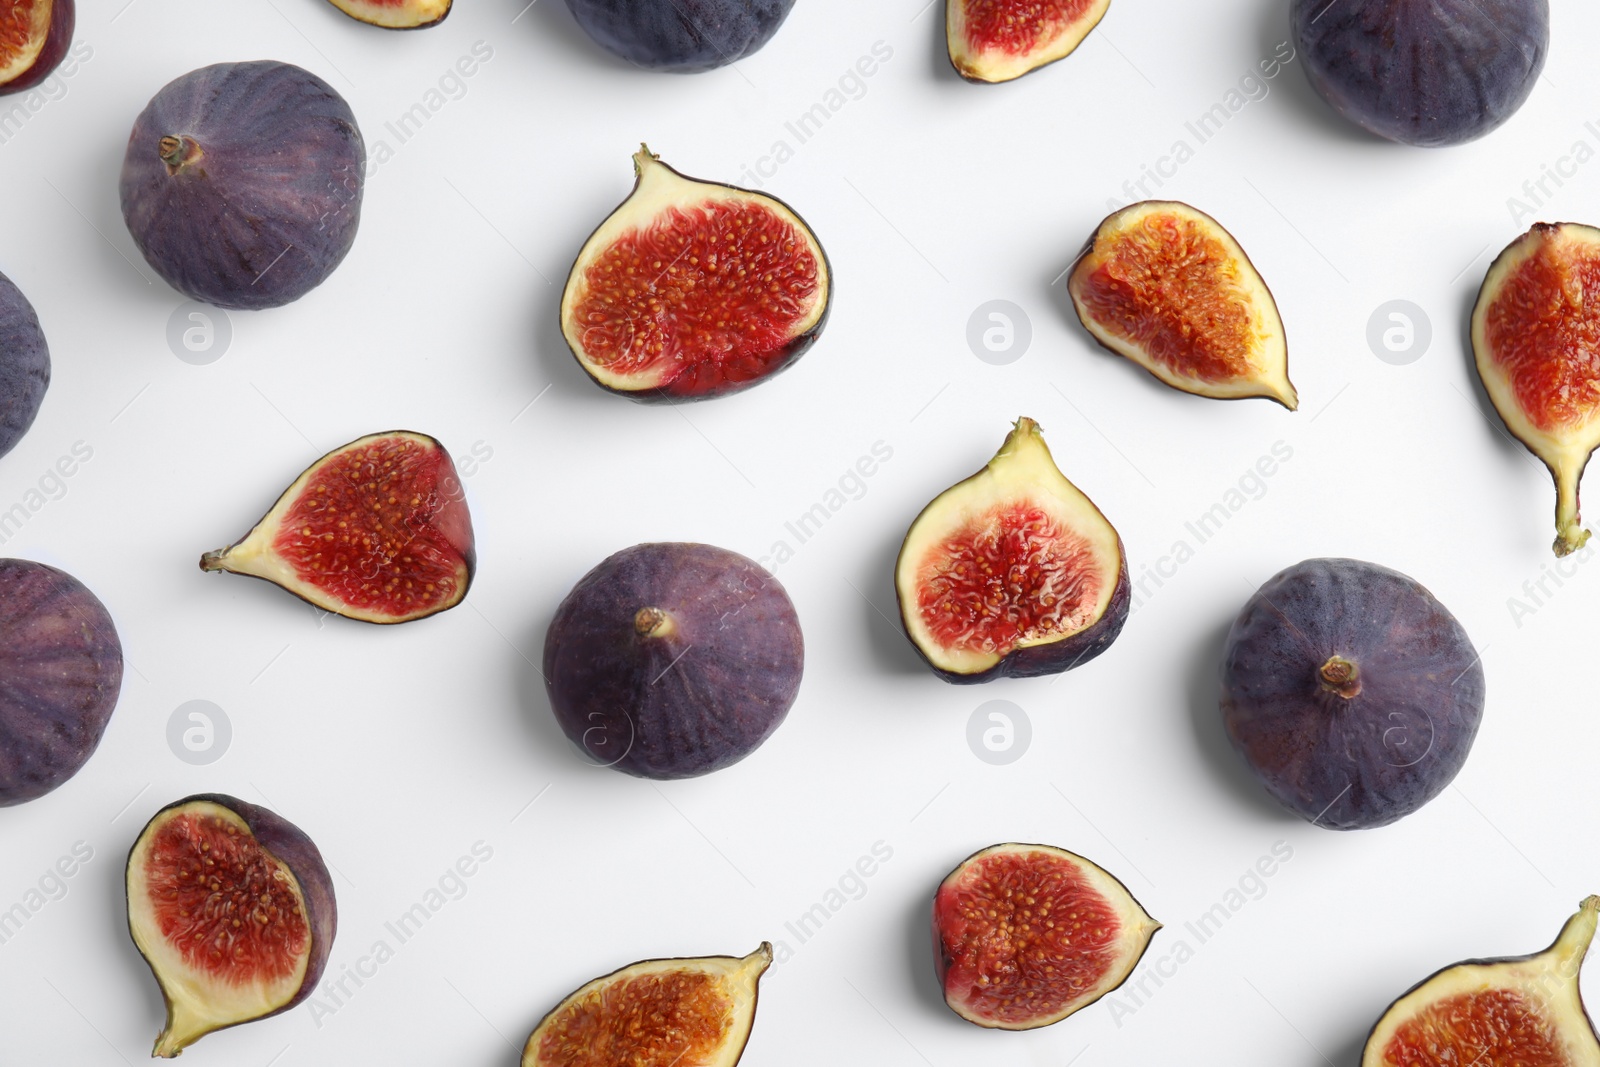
34, 37
998, 40
396, 14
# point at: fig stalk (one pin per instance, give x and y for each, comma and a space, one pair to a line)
1341, 676
178, 152
652, 622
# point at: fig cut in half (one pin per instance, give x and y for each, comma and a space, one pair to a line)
1524, 1011
376, 530
1025, 935
999, 40
396, 14
1536, 341
232, 907
34, 37
1013, 572
1164, 285
692, 289
674, 1011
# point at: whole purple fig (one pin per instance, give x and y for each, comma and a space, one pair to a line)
24, 365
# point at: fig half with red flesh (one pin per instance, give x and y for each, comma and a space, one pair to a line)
232, 907
998, 40
655, 1012
1164, 285
34, 37
1013, 572
1524, 1011
1536, 340
377, 531
692, 289
396, 14
1025, 935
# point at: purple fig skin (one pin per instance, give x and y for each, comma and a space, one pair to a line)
60, 676
1355, 761
63, 20
265, 198
681, 36
24, 365
698, 694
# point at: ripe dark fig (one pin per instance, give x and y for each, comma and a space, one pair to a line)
1423, 72
998, 40
242, 183
1025, 935
674, 1011
1536, 340
24, 364
1012, 573
1351, 692
233, 909
682, 36
60, 676
396, 14
1523, 1011
1166, 286
673, 660
376, 530
692, 289
34, 36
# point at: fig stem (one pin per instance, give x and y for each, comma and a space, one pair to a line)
1341, 676
1570, 534
212, 561
652, 622
178, 152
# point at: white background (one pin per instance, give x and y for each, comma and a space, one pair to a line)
399, 748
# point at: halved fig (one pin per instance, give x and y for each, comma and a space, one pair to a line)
232, 907
1166, 286
655, 1012
1025, 935
1536, 340
376, 530
396, 14
1523, 1011
34, 36
692, 289
998, 40
1013, 572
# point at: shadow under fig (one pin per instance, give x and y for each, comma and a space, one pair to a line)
1295, 86
880, 612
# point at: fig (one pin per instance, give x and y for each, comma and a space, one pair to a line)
24, 364
692, 289
655, 1012
1013, 572
1423, 72
998, 40
1025, 935
673, 660
60, 676
233, 909
396, 14
376, 530
1166, 286
1523, 1011
682, 36
34, 36
242, 183
1351, 692
1536, 341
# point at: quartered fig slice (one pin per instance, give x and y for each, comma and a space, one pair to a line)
232, 907
655, 1012
1166, 286
34, 37
998, 40
1536, 339
1524, 1011
377, 531
1013, 572
1025, 935
396, 14
692, 289
24, 364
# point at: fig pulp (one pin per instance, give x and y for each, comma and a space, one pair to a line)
242, 183
683, 36
60, 676
1013, 572
692, 289
24, 364
377, 530
1524, 1011
1423, 72
1351, 692
34, 36
673, 660
998, 40
655, 1012
396, 14
1536, 341
232, 908
1025, 935
1166, 286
